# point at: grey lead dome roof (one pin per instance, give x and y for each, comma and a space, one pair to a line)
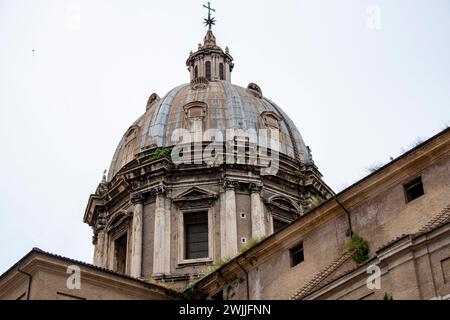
228, 106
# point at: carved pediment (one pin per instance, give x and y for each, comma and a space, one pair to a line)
194, 194
284, 208
117, 219
195, 197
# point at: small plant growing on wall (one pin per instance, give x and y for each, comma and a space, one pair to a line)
299, 174
160, 153
387, 296
360, 247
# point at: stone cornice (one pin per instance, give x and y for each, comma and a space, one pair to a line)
94, 203
151, 191
137, 198
398, 170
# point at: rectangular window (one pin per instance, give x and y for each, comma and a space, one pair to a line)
413, 189
196, 235
120, 246
208, 70
221, 73
296, 254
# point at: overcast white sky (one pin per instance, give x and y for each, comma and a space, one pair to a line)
75, 74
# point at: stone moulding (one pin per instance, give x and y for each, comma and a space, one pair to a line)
255, 90
199, 83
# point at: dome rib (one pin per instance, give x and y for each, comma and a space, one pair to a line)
228, 106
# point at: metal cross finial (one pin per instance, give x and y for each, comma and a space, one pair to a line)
209, 21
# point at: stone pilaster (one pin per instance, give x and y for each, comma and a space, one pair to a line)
101, 249
228, 221
136, 236
161, 249
257, 211
100, 241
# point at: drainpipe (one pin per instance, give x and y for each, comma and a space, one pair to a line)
246, 279
29, 279
348, 216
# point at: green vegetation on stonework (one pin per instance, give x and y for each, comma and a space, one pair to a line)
160, 153
387, 296
299, 174
359, 247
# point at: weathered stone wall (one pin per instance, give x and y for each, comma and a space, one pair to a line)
387, 215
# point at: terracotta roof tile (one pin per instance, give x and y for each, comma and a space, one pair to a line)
321, 276
437, 221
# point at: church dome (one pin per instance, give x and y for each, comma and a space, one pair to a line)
188, 172
226, 106
212, 98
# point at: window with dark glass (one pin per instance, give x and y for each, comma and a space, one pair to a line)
196, 72
120, 246
208, 70
196, 234
221, 73
296, 254
413, 189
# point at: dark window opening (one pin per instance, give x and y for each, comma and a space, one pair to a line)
221, 73
208, 70
196, 72
217, 296
296, 254
121, 253
277, 225
413, 189
196, 234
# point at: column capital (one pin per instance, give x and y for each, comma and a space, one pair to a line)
230, 184
255, 187
137, 197
158, 190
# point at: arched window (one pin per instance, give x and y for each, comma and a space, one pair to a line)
208, 70
221, 73
196, 72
